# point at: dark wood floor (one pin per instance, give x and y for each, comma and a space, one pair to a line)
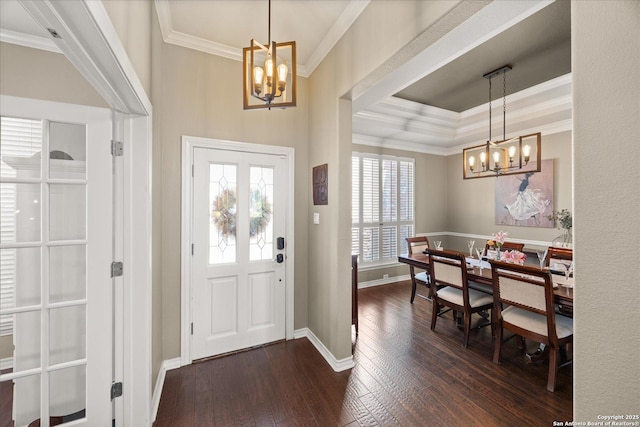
405, 374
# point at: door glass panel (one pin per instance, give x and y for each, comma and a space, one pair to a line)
222, 202
67, 334
67, 212
19, 280
26, 339
260, 213
20, 213
67, 150
67, 393
67, 273
20, 148
25, 394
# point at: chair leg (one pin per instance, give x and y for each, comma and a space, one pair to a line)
434, 314
413, 290
467, 328
553, 369
497, 343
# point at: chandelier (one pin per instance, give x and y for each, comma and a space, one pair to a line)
504, 157
267, 81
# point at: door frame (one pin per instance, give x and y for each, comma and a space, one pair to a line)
189, 143
91, 43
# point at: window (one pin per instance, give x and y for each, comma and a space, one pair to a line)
381, 206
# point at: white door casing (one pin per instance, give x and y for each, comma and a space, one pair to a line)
246, 298
73, 368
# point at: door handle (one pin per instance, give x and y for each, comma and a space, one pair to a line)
279, 258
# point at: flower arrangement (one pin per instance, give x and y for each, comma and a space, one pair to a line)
562, 218
498, 239
514, 257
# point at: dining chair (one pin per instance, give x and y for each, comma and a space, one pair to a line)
506, 246
450, 288
559, 255
526, 293
418, 245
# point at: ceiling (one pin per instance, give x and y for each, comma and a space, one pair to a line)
538, 48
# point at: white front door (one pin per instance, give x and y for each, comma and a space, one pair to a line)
56, 245
238, 262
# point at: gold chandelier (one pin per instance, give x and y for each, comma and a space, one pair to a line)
267, 80
505, 157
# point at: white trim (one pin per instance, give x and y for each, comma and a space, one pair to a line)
166, 365
6, 363
188, 144
336, 365
28, 40
379, 282
340, 27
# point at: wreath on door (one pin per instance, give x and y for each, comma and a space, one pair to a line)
223, 213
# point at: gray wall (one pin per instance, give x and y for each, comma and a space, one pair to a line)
606, 105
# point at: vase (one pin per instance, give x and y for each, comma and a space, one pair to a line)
565, 240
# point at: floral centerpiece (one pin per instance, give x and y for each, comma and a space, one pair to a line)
497, 240
514, 257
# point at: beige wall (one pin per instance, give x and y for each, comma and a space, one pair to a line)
606, 99
388, 28
39, 74
199, 94
132, 21
470, 203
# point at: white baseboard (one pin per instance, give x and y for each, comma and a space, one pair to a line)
336, 365
378, 282
166, 365
6, 363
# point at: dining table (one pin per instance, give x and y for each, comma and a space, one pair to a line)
480, 278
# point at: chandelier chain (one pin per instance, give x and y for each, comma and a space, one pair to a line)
490, 109
504, 106
269, 26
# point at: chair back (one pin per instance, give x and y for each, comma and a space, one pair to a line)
418, 244
559, 256
447, 269
525, 287
506, 246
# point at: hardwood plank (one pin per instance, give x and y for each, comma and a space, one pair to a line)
405, 374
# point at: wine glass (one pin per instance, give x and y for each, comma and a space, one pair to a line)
470, 244
541, 255
438, 244
480, 253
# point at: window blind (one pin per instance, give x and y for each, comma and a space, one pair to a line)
382, 206
18, 138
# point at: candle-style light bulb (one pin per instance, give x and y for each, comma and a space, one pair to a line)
483, 159
472, 162
268, 70
496, 159
283, 70
526, 150
258, 76
512, 152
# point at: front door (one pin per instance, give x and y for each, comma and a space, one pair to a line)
56, 243
238, 262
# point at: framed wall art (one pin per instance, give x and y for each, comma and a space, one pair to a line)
321, 185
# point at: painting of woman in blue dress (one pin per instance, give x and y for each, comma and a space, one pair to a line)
525, 199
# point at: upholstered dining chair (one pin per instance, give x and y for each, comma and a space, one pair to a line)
506, 246
417, 245
561, 255
526, 293
450, 288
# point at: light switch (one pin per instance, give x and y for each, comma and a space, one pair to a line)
316, 218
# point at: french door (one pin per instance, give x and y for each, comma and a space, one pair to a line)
56, 249
239, 252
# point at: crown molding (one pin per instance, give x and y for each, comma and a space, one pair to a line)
28, 40
342, 24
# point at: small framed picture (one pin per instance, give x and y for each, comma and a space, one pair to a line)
321, 185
